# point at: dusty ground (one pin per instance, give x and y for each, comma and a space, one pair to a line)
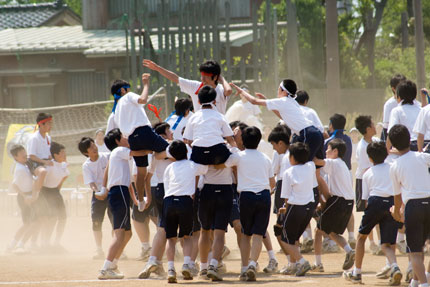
76, 268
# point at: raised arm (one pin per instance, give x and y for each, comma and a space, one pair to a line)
248, 97
144, 96
227, 89
165, 73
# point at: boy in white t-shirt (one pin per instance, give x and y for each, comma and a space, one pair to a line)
339, 203
180, 185
302, 98
206, 130
210, 76
179, 117
118, 89
93, 170
390, 104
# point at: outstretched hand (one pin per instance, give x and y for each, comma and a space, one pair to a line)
260, 96
145, 78
149, 64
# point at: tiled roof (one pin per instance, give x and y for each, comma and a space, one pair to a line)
92, 43
29, 15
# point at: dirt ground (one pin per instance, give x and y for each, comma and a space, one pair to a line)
76, 268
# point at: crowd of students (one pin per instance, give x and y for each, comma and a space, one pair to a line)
196, 173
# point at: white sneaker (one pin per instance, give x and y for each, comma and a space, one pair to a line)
99, 254
144, 254
222, 268
109, 274
401, 246
384, 273
225, 252
147, 270
317, 268
272, 267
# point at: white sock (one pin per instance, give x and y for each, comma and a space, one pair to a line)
305, 234
424, 285
152, 259
145, 245
203, 266
347, 248
271, 254
387, 262
356, 271
309, 233
332, 243
409, 265
171, 265
289, 258
351, 235
252, 263
414, 283
302, 261
107, 265
209, 256
187, 260
394, 265
428, 276
400, 237
243, 269
192, 264
318, 260
214, 263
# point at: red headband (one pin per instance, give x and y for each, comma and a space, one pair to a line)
44, 121
206, 74
155, 110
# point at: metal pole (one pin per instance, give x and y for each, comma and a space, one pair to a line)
419, 44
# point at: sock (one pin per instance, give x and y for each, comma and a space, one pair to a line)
309, 233
318, 260
171, 265
428, 276
347, 248
252, 263
424, 285
400, 237
203, 266
107, 265
332, 243
214, 263
305, 234
356, 271
192, 264
152, 259
271, 255
145, 245
351, 235
414, 283
302, 261
243, 269
387, 263
289, 258
209, 256
393, 265
187, 260
409, 265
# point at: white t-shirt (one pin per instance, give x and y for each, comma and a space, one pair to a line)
177, 132
339, 178
363, 162
23, 178
312, 116
93, 171
297, 184
39, 146
285, 163
206, 128
218, 176
239, 111
410, 176
180, 177
377, 182
291, 113
119, 167
158, 167
192, 88
102, 148
55, 174
422, 124
111, 123
129, 114
405, 115
276, 165
254, 169
389, 105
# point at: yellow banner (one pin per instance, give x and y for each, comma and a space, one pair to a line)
17, 134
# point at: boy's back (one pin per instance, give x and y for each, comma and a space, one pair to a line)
298, 183
180, 177
129, 114
377, 182
55, 174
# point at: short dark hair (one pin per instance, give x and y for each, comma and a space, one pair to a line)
211, 67
300, 152
396, 79
338, 121
160, 128
290, 85
56, 148
84, 145
302, 97
178, 150
251, 137
182, 106
338, 144
407, 92
16, 149
111, 138
362, 123
42, 116
283, 127
399, 137
377, 151
239, 124
118, 84
207, 95
279, 134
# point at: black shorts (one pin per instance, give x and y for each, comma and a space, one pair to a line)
315, 141
336, 214
417, 223
296, 220
378, 212
55, 202
235, 214
157, 198
28, 214
196, 221
144, 138
216, 154
98, 210
178, 212
316, 196
254, 212
360, 204
215, 206
119, 204
141, 216
278, 201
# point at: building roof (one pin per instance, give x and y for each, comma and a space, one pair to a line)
34, 15
92, 43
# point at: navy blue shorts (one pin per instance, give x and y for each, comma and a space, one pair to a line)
278, 201
144, 138
196, 221
378, 212
28, 214
315, 141
336, 215
417, 223
178, 212
215, 206
296, 220
235, 214
55, 203
216, 154
360, 204
98, 210
119, 204
254, 212
158, 197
